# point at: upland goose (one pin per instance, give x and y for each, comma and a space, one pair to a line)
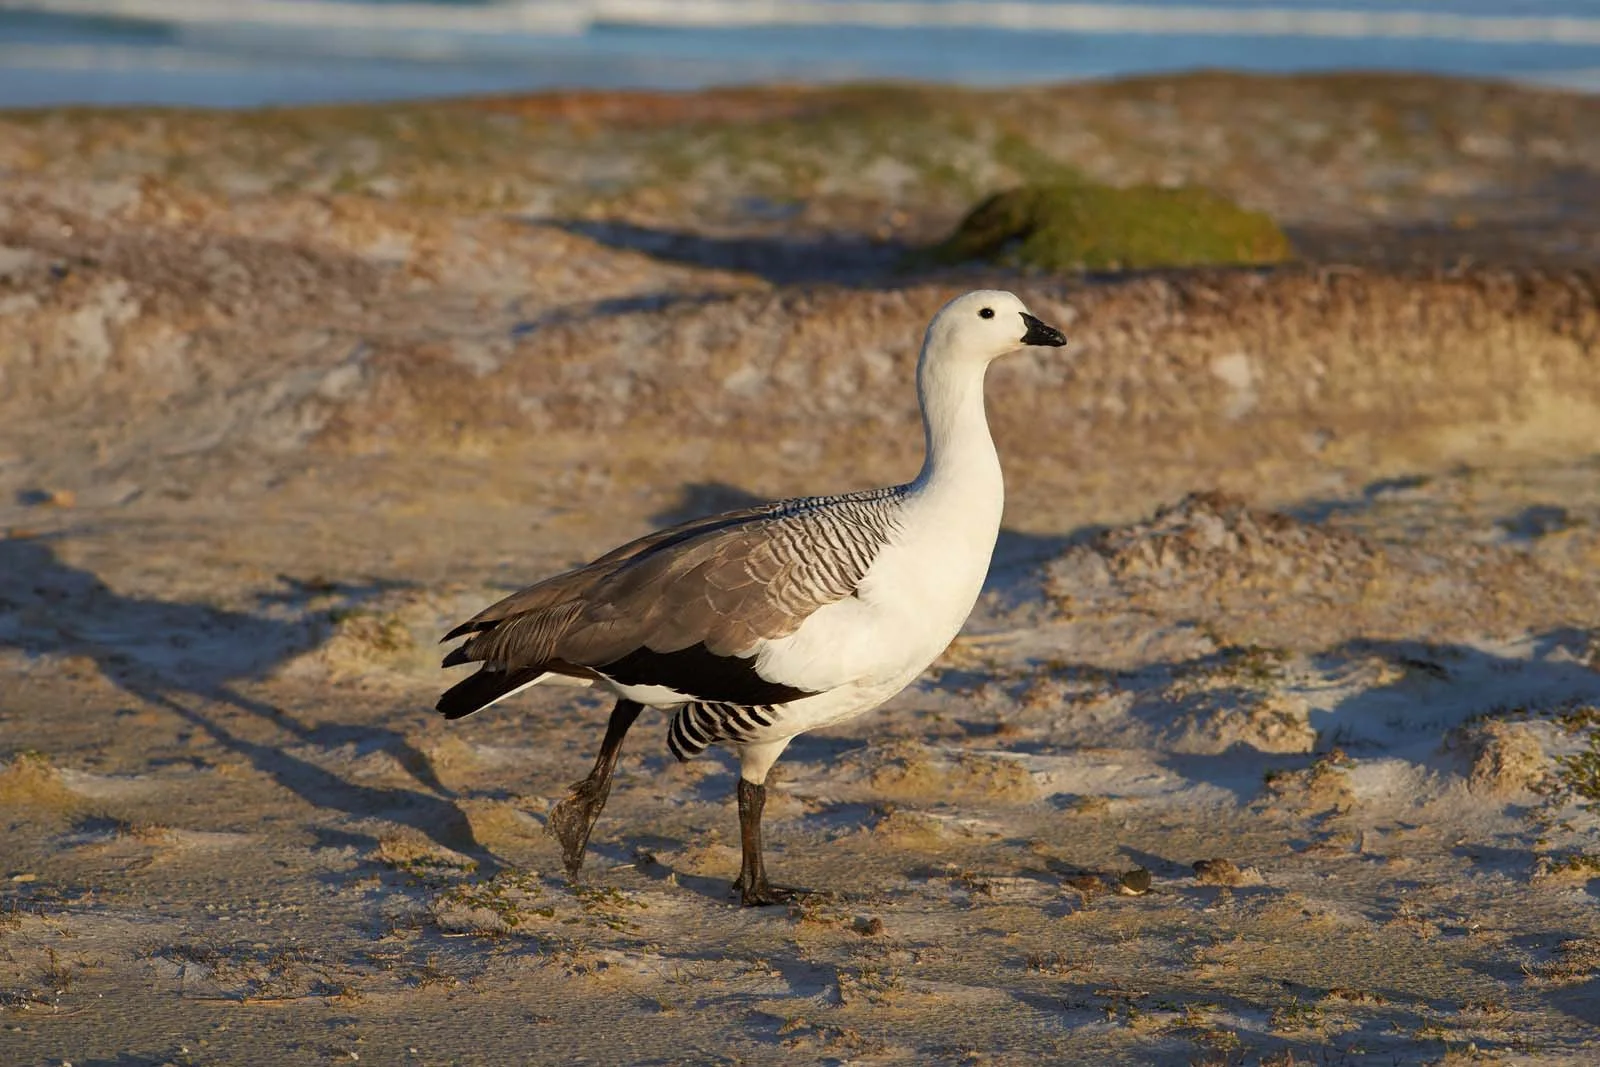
756, 625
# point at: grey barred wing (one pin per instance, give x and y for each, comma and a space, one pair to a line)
733, 587
688, 608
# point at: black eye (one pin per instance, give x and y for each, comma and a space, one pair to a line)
986, 313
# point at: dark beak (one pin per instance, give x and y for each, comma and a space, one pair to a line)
1040, 334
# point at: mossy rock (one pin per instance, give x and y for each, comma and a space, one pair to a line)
1075, 225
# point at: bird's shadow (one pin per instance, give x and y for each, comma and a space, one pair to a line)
190, 659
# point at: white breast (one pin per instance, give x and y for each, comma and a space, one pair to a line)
911, 604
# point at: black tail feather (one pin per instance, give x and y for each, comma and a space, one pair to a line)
481, 690
457, 657
471, 626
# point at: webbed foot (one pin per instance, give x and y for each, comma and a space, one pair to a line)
572, 820
764, 893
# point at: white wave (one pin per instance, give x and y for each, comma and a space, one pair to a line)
1581, 79
1108, 18
545, 18
550, 17
102, 58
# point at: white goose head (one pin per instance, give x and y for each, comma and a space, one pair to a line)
984, 325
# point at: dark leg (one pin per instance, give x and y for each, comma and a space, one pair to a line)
573, 818
754, 889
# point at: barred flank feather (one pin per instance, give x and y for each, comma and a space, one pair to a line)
701, 724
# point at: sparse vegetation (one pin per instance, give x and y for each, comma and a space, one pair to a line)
423, 860
522, 904
28, 778
257, 973
1574, 864
872, 984
1090, 806
1054, 963
1322, 786
1575, 960
1580, 772
1297, 1015
429, 974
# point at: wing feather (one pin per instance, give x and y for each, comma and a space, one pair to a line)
714, 587
552, 590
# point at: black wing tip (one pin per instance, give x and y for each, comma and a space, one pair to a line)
466, 697
453, 704
457, 657
471, 626
453, 710
480, 690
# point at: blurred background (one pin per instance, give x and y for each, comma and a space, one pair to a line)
242, 53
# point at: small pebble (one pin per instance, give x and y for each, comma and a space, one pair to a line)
53, 498
1135, 882
1216, 872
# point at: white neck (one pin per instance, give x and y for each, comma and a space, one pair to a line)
960, 454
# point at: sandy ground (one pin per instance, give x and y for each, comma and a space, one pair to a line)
1273, 740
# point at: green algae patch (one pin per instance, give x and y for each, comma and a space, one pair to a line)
1079, 225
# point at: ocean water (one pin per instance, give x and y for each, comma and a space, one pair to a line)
241, 53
